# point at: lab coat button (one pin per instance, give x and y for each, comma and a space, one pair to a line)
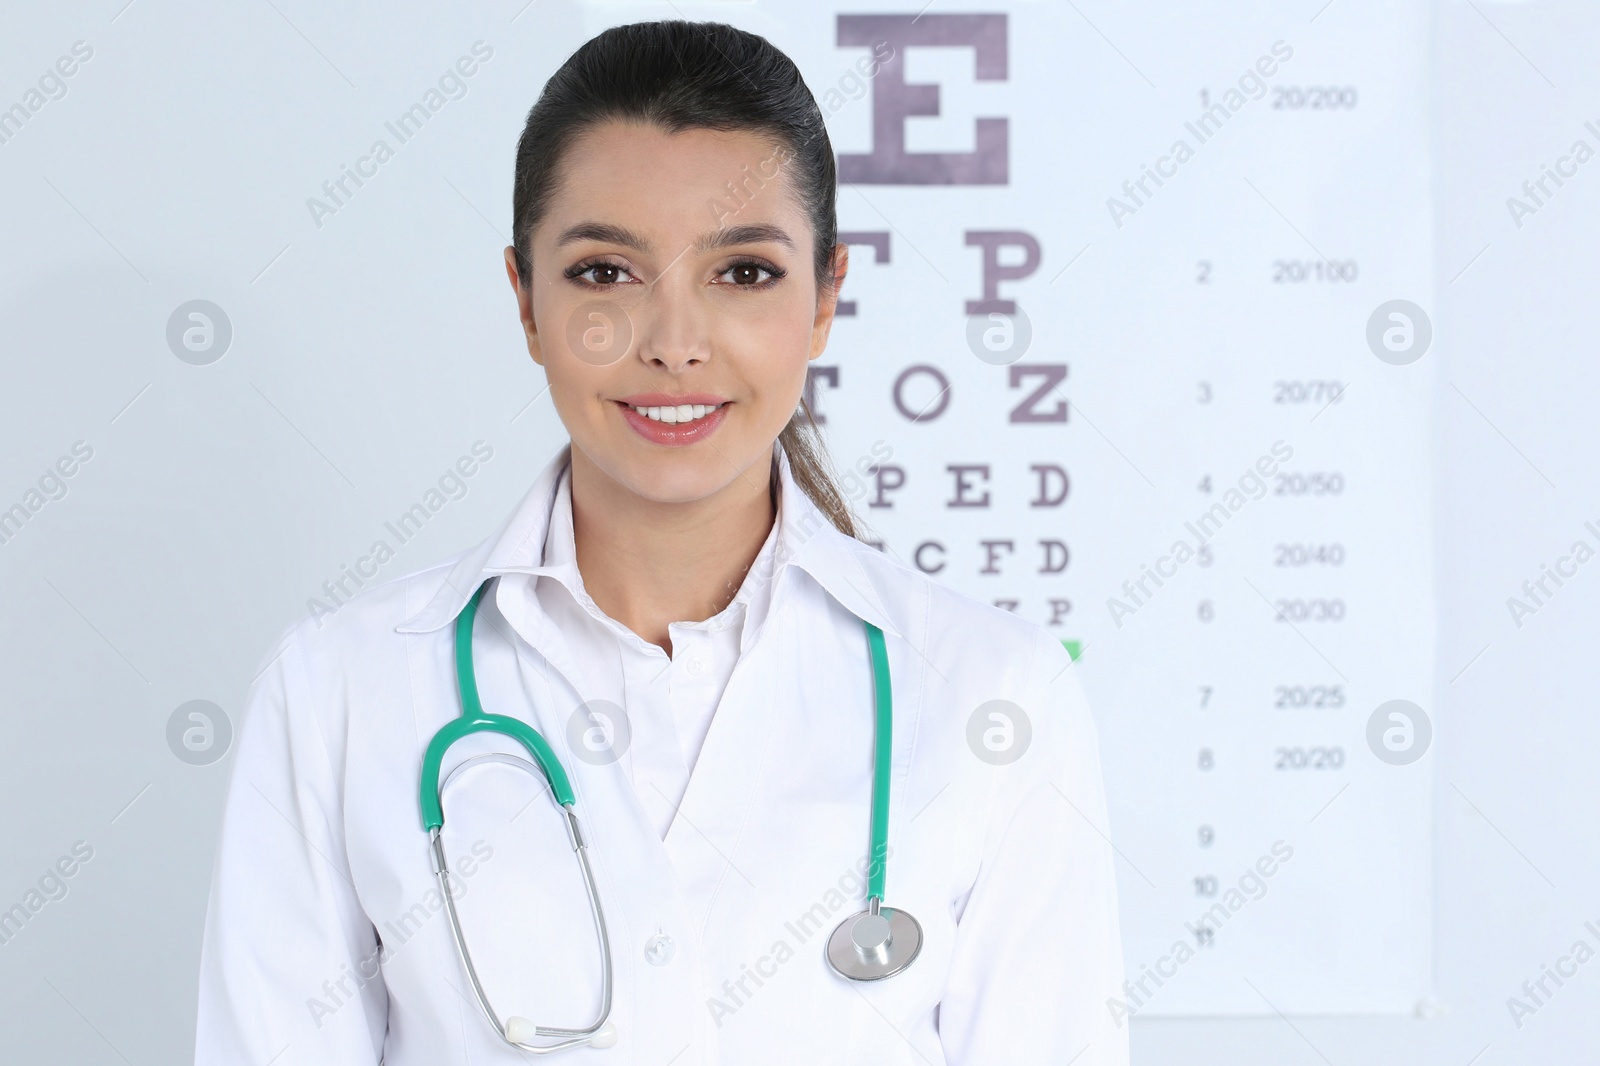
697, 666
659, 949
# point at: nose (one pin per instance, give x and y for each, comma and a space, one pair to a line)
675, 326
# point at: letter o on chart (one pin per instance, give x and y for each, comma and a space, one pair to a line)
933, 408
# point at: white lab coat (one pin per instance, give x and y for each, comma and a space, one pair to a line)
325, 940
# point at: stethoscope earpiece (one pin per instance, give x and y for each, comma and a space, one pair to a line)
522, 1032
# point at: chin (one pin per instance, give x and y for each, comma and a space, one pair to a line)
677, 475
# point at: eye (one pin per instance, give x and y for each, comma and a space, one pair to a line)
751, 274
605, 273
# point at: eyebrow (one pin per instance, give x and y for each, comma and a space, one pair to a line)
755, 234
606, 233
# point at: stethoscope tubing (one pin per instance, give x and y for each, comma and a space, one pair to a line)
474, 719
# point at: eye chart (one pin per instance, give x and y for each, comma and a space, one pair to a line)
1139, 313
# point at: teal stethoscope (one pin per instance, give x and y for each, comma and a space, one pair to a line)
876, 943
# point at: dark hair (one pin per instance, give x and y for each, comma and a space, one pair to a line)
680, 75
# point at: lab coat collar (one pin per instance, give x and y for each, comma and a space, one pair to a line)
808, 540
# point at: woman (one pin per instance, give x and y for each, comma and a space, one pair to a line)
681, 608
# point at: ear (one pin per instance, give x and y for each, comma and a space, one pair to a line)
524, 305
828, 301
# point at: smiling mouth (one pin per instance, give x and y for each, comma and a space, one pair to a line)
672, 416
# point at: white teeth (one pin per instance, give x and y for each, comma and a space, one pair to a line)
687, 412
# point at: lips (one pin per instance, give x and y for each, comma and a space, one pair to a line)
674, 434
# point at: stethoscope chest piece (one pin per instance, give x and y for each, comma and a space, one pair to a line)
874, 944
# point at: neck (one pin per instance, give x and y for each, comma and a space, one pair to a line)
648, 564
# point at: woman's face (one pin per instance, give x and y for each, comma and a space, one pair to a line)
673, 272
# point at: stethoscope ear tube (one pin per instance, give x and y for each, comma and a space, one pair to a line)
566, 1038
